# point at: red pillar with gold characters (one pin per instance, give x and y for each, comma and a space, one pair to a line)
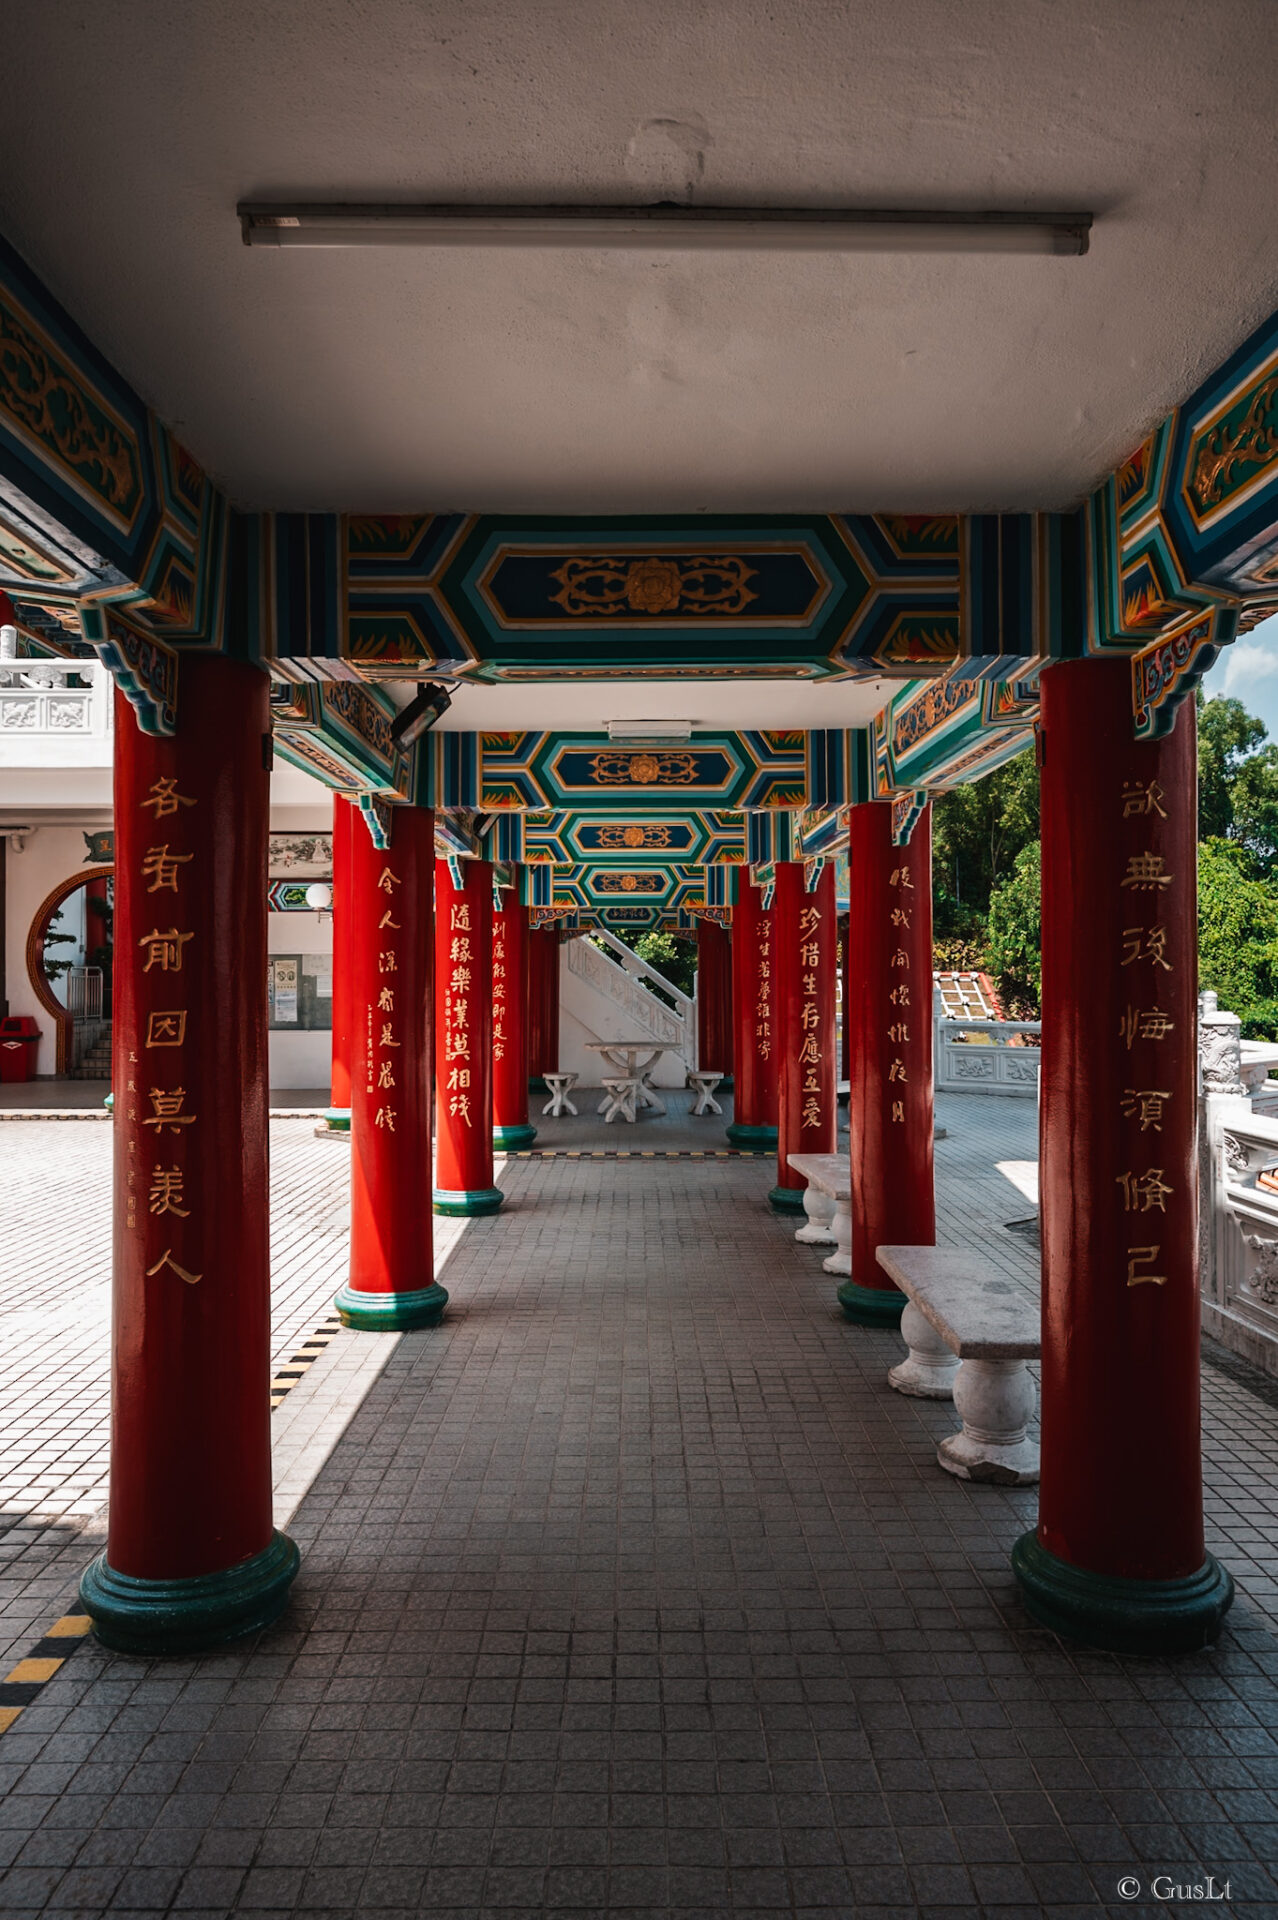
392, 1281
543, 1004
888, 1011
754, 1055
1118, 1558
464, 1038
806, 941
714, 998
511, 1126
338, 1117
192, 1557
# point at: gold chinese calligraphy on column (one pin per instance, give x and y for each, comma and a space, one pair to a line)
500, 987
900, 917
458, 1033
810, 1054
380, 1065
1144, 1028
763, 1002
148, 1180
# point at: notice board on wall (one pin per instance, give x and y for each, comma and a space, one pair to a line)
299, 992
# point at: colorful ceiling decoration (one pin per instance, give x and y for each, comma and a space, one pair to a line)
107, 521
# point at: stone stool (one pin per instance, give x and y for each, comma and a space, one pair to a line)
559, 1085
621, 1092
704, 1085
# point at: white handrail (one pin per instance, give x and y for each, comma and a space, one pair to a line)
633, 964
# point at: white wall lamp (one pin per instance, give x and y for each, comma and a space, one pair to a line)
319, 896
662, 228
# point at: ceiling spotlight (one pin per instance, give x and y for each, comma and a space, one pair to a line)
663, 227
428, 705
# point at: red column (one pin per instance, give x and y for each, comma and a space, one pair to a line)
807, 1064
754, 1058
1118, 1558
339, 1113
889, 1016
192, 1558
392, 1280
463, 1039
543, 1004
510, 1025
714, 998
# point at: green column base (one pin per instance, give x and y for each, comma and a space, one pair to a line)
189, 1616
787, 1199
474, 1200
537, 1085
511, 1139
1121, 1615
391, 1312
760, 1139
337, 1120
871, 1306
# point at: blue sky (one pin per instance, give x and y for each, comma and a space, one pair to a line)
1248, 671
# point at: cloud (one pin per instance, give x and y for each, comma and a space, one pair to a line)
1247, 662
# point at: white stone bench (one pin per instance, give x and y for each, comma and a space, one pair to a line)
704, 1085
559, 1086
969, 1331
827, 1201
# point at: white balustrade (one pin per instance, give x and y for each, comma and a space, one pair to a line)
987, 1056
1238, 1159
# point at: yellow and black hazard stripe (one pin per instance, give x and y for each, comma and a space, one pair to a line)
22, 1684
640, 1153
37, 1667
299, 1364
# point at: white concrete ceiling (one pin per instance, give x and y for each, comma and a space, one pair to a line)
606, 383
580, 706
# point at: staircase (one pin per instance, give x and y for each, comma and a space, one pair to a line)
603, 997
95, 1061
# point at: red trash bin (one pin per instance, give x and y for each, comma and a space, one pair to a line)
19, 1035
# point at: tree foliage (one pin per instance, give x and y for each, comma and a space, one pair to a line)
1013, 950
1238, 935
977, 833
1237, 781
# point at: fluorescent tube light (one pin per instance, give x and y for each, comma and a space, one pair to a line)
642, 732
662, 228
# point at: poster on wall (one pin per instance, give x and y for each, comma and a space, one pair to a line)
283, 989
319, 968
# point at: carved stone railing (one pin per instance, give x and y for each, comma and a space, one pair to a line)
54, 699
1238, 1175
641, 1013
987, 1056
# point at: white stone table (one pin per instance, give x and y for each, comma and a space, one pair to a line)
969, 1331
827, 1202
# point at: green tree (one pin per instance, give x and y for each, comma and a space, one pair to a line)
1237, 780
1013, 951
977, 833
673, 957
1238, 934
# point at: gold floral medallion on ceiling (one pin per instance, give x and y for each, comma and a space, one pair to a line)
655, 586
644, 769
628, 883
633, 837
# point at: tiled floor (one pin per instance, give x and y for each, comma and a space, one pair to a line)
633, 1590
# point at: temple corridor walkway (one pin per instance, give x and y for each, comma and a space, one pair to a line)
633, 1590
